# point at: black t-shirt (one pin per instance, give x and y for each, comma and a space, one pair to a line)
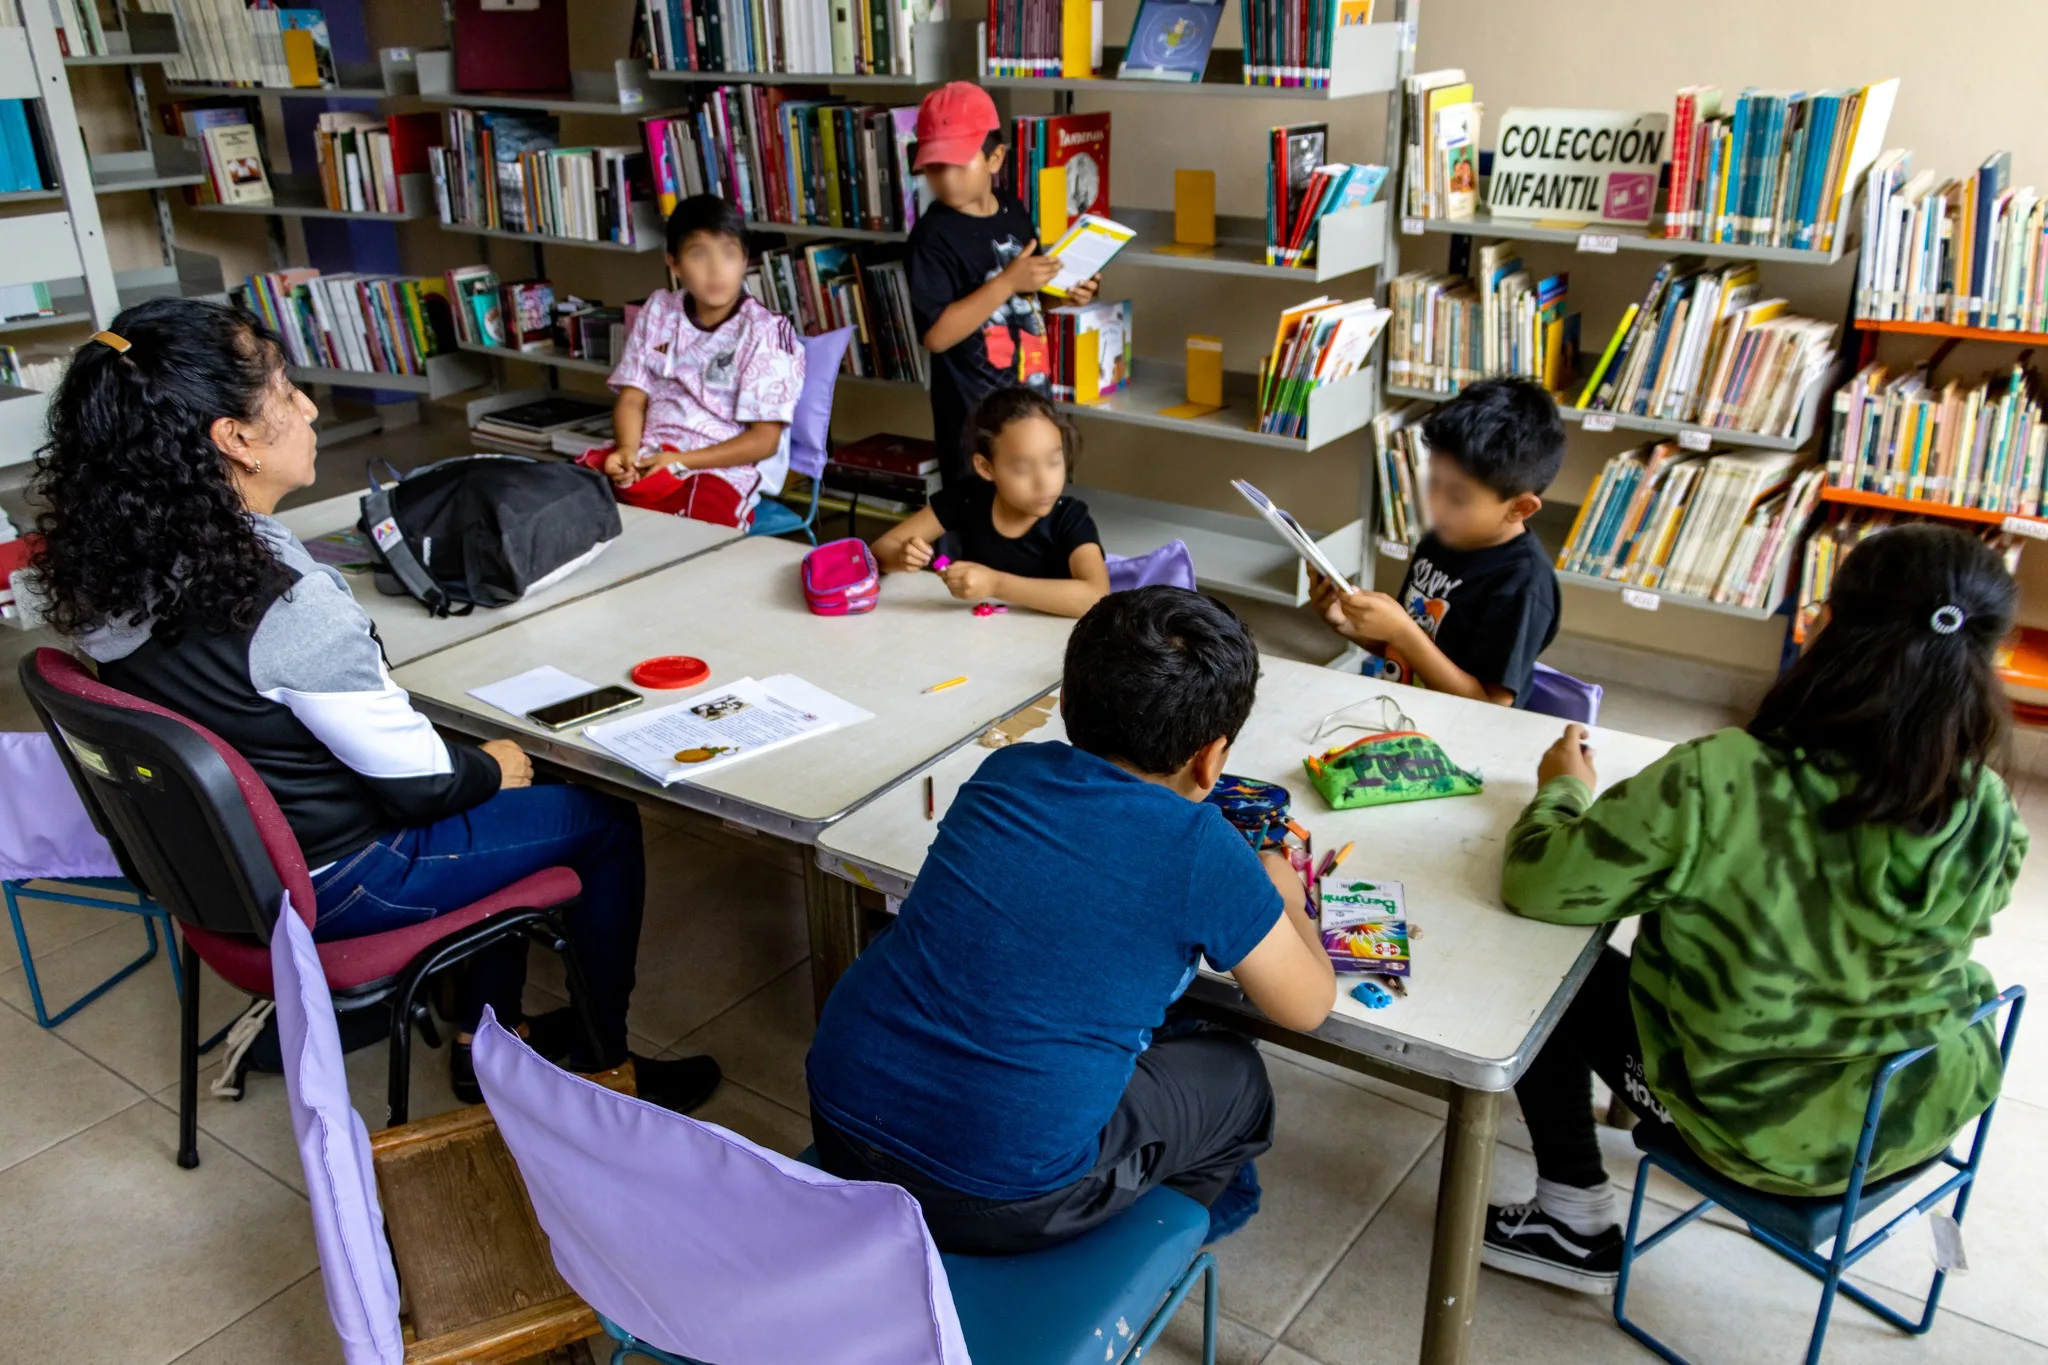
1490, 611
967, 510
952, 254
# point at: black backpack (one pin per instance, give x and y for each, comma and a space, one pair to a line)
485, 530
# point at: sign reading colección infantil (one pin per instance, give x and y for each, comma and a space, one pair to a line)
1578, 165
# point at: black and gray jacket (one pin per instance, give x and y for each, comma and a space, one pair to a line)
306, 697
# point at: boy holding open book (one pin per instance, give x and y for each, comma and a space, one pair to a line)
975, 270
1480, 599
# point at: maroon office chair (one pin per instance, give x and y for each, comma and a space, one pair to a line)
192, 823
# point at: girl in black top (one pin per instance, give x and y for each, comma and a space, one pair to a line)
1012, 533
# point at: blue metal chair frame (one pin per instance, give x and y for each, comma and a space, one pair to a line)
765, 525
1830, 1269
148, 909
1202, 1268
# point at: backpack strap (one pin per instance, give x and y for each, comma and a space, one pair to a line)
381, 526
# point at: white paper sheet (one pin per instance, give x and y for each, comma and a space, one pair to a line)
531, 690
1085, 250
725, 724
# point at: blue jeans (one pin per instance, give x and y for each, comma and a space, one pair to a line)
416, 874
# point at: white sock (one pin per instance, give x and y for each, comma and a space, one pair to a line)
1584, 1211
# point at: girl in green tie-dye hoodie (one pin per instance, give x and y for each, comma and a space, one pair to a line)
1808, 892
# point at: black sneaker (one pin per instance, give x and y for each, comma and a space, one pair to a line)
678, 1083
1522, 1239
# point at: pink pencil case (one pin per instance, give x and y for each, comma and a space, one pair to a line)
841, 579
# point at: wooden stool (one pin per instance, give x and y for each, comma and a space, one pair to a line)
480, 1285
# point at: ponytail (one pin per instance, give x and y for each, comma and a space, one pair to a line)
1899, 687
141, 519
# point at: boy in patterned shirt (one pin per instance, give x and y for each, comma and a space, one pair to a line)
708, 383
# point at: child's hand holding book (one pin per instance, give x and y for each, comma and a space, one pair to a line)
1030, 272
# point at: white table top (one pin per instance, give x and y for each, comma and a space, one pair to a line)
742, 612
1484, 979
647, 541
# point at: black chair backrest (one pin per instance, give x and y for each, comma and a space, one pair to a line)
163, 796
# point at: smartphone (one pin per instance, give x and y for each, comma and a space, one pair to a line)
602, 702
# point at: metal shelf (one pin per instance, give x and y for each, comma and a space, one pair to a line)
1348, 242
1364, 60
648, 241
1232, 554
1335, 410
446, 373
283, 92
820, 230
1626, 239
548, 356
300, 196
1619, 421
1580, 580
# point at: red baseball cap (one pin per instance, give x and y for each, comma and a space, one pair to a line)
952, 123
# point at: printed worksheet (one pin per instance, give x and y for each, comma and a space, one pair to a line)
719, 726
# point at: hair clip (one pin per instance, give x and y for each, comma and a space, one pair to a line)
1947, 620
113, 341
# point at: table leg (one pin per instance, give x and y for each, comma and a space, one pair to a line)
1460, 1226
834, 917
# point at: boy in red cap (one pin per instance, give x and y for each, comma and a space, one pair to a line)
975, 270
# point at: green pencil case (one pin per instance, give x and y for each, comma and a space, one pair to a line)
1399, 765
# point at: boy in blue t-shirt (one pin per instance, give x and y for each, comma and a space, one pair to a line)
993, 1051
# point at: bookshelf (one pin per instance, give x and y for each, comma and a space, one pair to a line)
448, 373
1606, 239
299, 196
1691, 435
620, 92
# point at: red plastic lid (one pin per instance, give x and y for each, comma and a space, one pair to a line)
670, 671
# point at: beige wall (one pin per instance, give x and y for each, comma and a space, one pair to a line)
1591, 53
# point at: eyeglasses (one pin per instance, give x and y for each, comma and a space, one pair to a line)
1391, 717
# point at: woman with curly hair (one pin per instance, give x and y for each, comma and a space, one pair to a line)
172, 439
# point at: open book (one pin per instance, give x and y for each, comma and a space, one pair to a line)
1293, 533
718, 726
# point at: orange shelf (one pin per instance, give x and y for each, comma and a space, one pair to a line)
1951, 331
1856, 497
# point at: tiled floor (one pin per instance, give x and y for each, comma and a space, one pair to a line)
110, 1253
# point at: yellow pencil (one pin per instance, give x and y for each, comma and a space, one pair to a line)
1342, 854
950, 682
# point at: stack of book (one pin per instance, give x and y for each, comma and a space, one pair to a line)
228, 142
1296, 204
1979, 445
1702, 347
1971, 252
1288, 42
1717, 527
887, 473
226, 42
790, 154
24, 160
361, 158
32, 371
801, 37
374, 324
1775, 169
1825, 549
1104, 327
1403, 473
533, 428
19, 302
587, 330
1449, 333
1440, 153
1044, 38
476, 301
1317, 343
824, 286
1077, 142
508, 173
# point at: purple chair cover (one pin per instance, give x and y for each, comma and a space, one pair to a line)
810, 429
702, 1244
45, 830
1170, 565
334, 1149
1552, 693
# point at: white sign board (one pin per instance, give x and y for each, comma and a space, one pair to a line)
1578, 165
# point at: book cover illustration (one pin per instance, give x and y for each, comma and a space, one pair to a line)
1170, 41
1365, 926
238, 176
